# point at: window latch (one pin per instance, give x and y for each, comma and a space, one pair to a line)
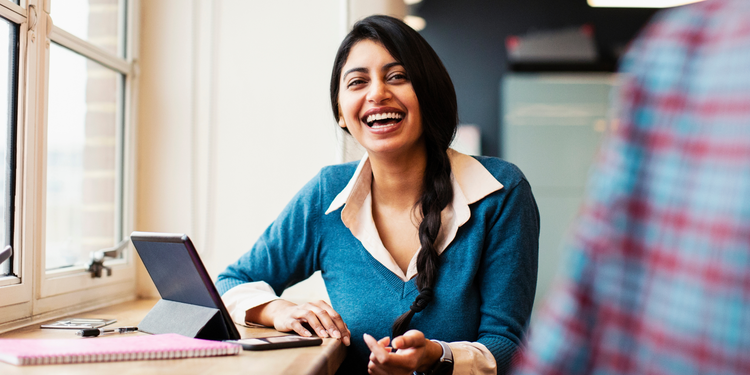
32, 17
97, 258
5, 254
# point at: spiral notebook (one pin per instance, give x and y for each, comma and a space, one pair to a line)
109, 349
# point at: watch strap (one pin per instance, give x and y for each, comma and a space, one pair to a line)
444, 365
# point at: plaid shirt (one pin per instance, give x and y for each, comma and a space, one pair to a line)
657, 274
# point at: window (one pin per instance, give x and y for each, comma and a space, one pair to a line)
8, 117
66, 76
83, 169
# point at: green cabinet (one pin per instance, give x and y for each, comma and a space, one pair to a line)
551, 128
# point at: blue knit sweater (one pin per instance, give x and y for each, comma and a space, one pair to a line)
486, 278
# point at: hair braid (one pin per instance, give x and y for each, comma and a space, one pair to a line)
438, 192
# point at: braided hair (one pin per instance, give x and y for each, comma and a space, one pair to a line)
437, 104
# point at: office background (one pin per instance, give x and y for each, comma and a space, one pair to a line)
258, 123
217, 112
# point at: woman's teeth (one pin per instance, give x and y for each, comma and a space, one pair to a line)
383, 117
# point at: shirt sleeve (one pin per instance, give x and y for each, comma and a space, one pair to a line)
472, 358
245, 296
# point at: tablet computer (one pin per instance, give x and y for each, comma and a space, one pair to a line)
179, 275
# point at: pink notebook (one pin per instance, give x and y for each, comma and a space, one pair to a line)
109, 349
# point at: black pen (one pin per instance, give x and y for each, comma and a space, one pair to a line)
93, 332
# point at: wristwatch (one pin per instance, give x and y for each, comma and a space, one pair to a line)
444, 365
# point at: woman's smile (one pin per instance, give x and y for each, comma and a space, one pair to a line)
383, 119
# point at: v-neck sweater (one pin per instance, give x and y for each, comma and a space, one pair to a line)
486, 276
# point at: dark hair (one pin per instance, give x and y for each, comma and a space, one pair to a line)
437, 104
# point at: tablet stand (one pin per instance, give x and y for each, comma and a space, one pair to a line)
184, 319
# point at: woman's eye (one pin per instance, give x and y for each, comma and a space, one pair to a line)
399, 77
355, 82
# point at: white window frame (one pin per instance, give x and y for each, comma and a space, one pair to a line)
15, 294
37, 294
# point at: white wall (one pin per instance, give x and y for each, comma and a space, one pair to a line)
234, 116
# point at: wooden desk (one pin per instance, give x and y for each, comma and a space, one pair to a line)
317, 360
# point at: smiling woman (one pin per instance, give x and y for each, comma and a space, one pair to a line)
378, 105
417, 242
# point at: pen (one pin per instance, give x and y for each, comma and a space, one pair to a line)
93, 332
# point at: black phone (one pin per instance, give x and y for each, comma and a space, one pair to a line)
276, 342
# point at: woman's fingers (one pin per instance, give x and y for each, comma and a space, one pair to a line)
323, 313
319, 317
384, 342
297, 326
312, 318
383, 361
333, 322
411, 339
378, 353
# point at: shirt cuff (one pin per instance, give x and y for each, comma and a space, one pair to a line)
472, 358
245, 296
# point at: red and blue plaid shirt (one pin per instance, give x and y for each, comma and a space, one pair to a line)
657, 277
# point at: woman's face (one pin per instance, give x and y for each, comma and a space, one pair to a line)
377, 102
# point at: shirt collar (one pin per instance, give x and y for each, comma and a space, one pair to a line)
474, 180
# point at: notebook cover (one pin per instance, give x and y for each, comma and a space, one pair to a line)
109, 349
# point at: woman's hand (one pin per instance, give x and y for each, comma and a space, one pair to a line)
413, 353
286, 316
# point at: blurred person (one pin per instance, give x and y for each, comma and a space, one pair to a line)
657, 277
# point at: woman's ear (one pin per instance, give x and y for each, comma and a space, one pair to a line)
342, 122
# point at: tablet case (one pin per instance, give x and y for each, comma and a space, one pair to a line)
190, 304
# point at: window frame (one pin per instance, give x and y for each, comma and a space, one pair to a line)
16, 294
37, 294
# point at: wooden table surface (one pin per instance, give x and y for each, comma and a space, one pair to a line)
316, 360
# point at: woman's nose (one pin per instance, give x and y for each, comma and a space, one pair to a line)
378, 92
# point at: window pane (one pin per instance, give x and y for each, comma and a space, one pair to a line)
83, 165
100, 22
8, 109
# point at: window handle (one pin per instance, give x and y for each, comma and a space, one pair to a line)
6, 253
97, 258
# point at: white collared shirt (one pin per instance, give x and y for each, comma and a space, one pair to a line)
471, 182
